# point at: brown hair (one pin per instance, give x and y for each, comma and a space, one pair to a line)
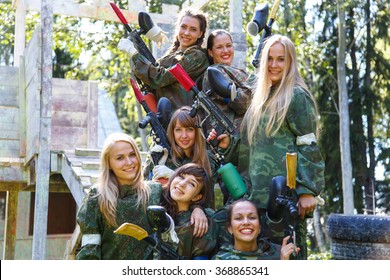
201, 17
231, 207
210, 41
199, 152
200, 175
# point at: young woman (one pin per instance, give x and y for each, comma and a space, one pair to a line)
121, 195
186, 50
233, 104
187, 145
244, 225
281, 118
186, 189
220, 49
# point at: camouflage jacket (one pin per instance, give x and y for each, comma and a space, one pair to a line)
233, 109
266, 251
266, 158
193, 60
115, 246
190, 246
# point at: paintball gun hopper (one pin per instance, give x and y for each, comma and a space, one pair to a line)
259, 20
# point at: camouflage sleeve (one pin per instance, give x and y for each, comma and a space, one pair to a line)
243, 90
205, 245
155, 193
243, 158
88, 218
301, 118
154, 76
194, 61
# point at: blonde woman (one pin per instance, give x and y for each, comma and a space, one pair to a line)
120, 195
281, 118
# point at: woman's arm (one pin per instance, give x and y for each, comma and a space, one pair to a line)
193, 61
301, 119
199, 220
87, 218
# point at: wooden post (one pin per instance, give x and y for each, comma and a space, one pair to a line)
10, 226
239, 37
20, 30
43, 165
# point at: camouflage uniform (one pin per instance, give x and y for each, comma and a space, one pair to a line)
193, 60
192, 247
115, 246
266, 251
220, 218
234, 109
148, 167
266, 158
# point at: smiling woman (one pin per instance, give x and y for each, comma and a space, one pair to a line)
186, 190
244, 225
186, 50
120, 196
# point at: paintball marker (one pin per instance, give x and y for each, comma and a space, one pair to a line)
158, 132
202, 99
257, 24
160, 223
281, 202
145, 23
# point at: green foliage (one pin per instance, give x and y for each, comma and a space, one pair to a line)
319, 256
155, 6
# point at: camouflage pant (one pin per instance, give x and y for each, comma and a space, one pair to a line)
277, 231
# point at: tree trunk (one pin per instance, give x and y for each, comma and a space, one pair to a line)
346, 166
318, 232
370, 188
358, 140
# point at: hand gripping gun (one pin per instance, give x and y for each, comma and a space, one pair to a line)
145, 22
280, 200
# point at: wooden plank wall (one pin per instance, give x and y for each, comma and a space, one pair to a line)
74, 114
33, 82
9, 111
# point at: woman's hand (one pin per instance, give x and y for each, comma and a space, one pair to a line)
306, 204
287, 249
199, 220
224, 140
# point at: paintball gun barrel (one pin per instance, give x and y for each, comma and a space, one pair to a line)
145, 23
158, 132
259, 18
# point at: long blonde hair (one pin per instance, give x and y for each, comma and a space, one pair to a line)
199, 152
275, 105
108, 186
